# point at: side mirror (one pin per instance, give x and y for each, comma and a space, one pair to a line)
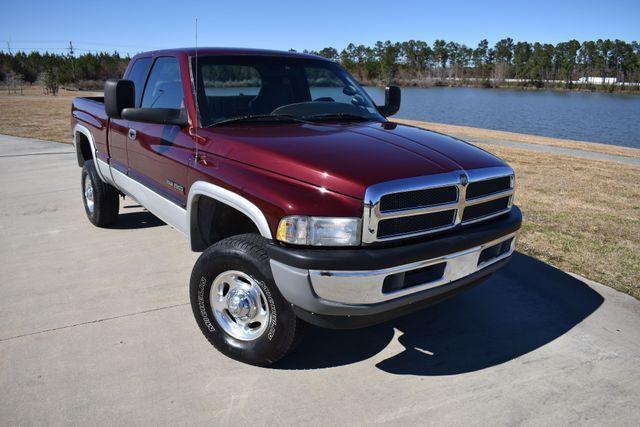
162, 116
392, 97
118, 95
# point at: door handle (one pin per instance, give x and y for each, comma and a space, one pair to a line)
132, 134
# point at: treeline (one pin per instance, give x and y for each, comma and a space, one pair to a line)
410, 63
87, 71
417, 62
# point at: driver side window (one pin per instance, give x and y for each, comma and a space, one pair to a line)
164, 87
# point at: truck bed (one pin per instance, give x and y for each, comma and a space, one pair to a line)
89, 112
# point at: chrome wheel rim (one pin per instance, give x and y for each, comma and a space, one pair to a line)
88, 194
239, 305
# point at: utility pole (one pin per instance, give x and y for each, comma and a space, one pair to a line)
10, 74
73, 65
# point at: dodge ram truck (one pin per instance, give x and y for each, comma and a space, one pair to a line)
309, 206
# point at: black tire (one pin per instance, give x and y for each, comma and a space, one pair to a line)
106, 203
245, 253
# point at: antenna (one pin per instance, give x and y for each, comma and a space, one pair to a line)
195, 86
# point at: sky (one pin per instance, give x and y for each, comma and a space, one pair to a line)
131, 27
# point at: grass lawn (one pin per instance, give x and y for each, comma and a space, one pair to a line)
581, 215
37, 115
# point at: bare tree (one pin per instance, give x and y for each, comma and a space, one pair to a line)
14, 82
51, 82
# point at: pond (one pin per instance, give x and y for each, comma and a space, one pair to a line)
587, 116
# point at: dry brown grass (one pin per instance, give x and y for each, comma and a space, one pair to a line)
36, 115
581, 215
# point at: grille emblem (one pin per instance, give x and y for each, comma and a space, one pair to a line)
464, 180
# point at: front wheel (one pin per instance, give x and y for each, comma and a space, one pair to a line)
237, 305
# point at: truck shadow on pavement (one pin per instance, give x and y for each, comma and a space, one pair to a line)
136, 220
520, 308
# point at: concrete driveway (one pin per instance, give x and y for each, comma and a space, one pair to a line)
95, 327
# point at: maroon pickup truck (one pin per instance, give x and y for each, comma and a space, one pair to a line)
307, 204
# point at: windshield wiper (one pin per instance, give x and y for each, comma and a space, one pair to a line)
258, 117
339, 116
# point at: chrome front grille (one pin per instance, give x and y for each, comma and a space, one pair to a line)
488, 187
418, 198
480, 211
411, 224
422, 205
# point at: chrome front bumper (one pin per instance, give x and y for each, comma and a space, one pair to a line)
366, 287
347, 293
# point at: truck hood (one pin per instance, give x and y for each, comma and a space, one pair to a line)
345, 158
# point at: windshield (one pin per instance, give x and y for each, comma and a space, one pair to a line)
240, 87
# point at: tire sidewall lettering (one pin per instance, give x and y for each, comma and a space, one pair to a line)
273, 312
202, 304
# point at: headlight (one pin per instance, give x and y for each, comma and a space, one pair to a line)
319, 231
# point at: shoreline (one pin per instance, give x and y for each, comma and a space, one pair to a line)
631, 89
51, 113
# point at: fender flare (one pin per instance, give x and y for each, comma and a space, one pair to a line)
78, 128
234, 200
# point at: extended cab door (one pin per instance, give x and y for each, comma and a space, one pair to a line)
119, 128
159, 154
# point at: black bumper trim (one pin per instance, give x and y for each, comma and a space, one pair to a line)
376, 258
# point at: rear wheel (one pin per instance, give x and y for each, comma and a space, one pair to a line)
237, 305
101, 200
